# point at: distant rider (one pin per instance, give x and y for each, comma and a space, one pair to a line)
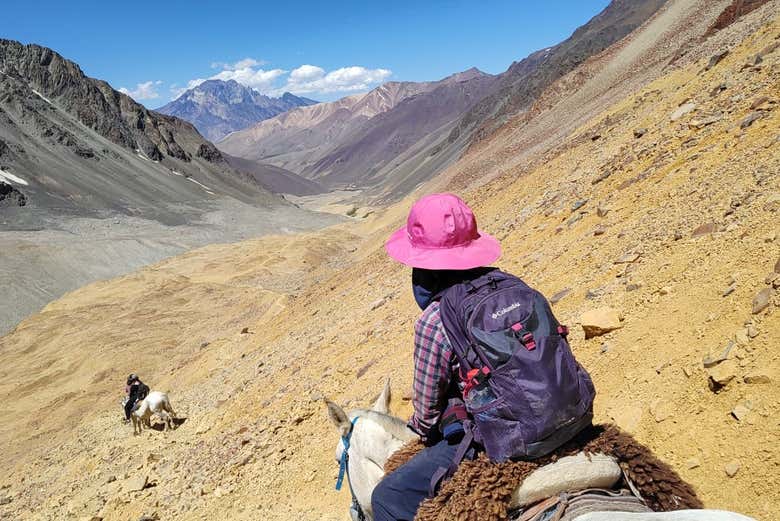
135, 390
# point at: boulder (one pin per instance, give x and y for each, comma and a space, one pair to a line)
704, 229
716, 59
761, 300
732, 468
682, 110
749, 119
721, 375
600, 321
136, 483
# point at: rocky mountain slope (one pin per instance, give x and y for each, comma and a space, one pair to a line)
78, 145
291, 140
662, 206
393, 153
94, 184
218, 107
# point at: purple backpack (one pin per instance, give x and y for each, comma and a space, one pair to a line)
525, 392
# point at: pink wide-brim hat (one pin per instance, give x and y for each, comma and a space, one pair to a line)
441, 234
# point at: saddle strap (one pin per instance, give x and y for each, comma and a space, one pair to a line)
443, 473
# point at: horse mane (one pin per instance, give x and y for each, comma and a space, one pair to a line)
393, 425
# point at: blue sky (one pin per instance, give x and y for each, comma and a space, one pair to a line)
322, 50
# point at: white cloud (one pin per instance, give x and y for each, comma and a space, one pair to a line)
312, 79
307, 73
305, 79
142, 91
257, 79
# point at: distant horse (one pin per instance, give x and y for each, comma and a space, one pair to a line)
156, 402
377, 435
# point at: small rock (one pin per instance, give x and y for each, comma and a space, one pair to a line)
605, 347
600, 178
739, 412
717, 90
732, 468
639, 132
136, 483
716, 59
728, 291
757, 378
678, 236
704, 229
682, 110
713, 360
558, 296
5, 500
665, 290
721, 375
752, 331
245, 331
110, 479
761, 300
152, 517
599, 321
578, 204
661, 410
741, 337
777, 266
91, 518
771, 278
633, 286
693, 463
377, 304
628, 258
759, 103
600, 230
602, 211
705, 121
749, 119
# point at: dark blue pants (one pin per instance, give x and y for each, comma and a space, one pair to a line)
398, 495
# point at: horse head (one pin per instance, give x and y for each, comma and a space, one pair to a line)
369, 437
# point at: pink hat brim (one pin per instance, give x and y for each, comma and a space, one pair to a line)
479, 252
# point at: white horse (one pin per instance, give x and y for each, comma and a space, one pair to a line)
377, 435
156, 402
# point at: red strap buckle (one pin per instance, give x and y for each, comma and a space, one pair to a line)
528, 341
563, 330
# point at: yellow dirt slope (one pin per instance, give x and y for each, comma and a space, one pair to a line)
609, 216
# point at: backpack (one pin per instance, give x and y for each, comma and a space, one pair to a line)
143, 391
525, 393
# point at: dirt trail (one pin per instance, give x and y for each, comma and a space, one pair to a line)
677, 229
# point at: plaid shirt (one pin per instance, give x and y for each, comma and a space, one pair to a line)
433, 370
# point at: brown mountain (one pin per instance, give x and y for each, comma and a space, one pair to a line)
395, 150
79, 146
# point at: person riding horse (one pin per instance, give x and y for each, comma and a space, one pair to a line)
135, 391
476, 322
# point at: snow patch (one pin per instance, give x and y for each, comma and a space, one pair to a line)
44, 98
10, 178
174, 172
141, 155
206, 188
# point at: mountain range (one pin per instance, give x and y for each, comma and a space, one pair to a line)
412, 131
218, 107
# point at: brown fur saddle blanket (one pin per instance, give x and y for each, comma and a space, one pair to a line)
481, 490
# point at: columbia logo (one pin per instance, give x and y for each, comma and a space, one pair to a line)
504, 311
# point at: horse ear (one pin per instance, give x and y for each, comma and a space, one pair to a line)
339, 418
382, 403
